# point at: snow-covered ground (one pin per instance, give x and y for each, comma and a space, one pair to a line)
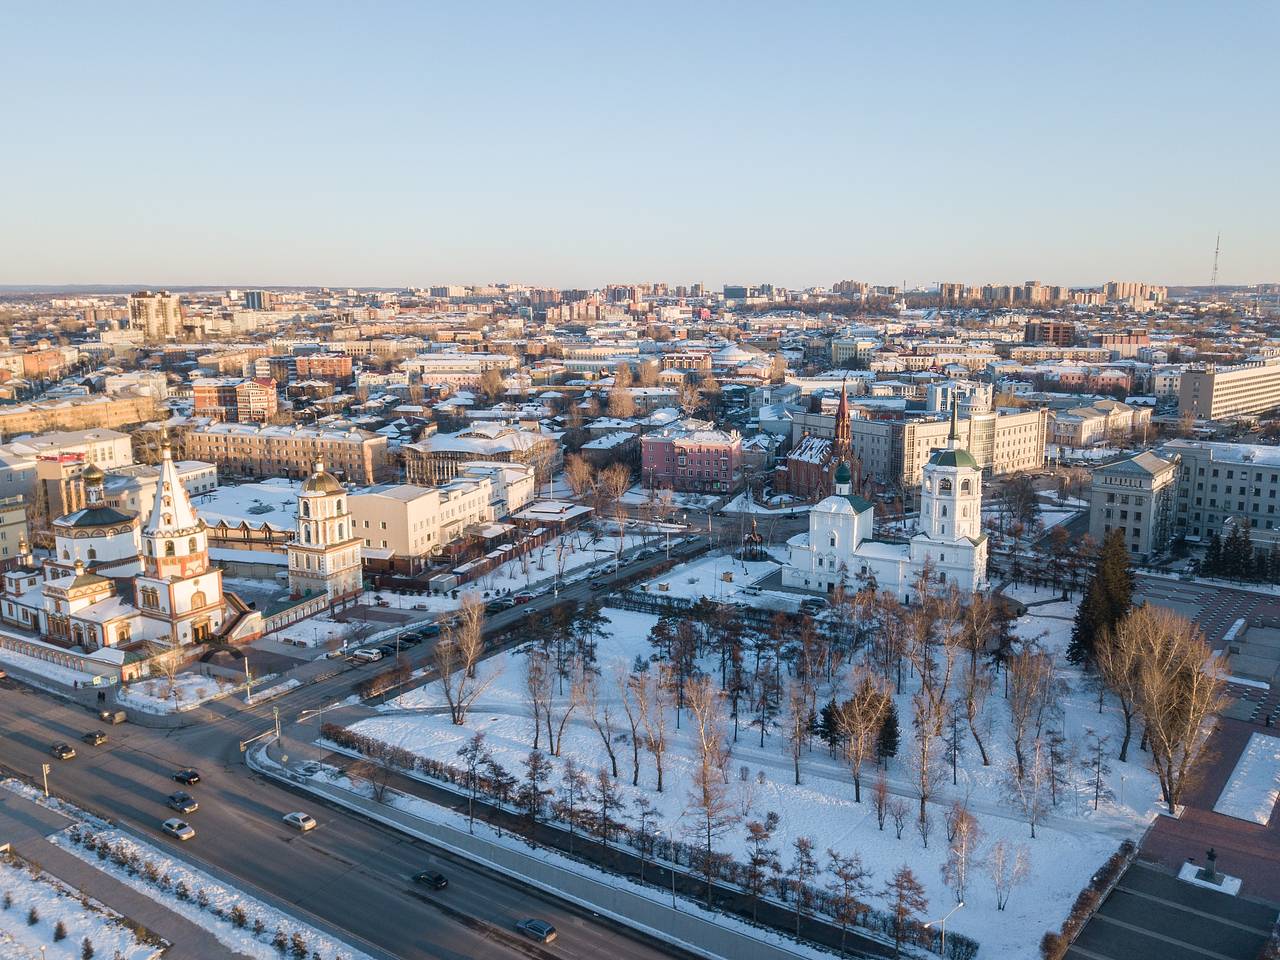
1254, 786
640, 494
315, 631
27, 888
777, 506
187, 691
1070, 845
243, 940
59, 674
717, 576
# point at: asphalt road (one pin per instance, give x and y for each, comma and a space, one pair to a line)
349, 874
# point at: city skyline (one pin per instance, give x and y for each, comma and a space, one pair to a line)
303, 146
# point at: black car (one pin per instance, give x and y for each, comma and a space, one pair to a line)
410, 640
538, 930
599, 584
188, 776
388, 649
183, 802
94, 738
63, 751
429, 631
429, 878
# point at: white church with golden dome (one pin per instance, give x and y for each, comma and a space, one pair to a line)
114, 580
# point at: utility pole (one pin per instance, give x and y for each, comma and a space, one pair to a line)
44, 771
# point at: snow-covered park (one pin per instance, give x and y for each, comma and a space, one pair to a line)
185, 691
1072, 838
42, 918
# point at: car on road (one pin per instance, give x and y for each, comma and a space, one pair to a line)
183, 802
812, 604
410, 640
382, 602
429, 630
189, 777
432, 879
94, 738
4, 675
493, 606
63, 751
523, 597
300, 821
599, 584
367, 654
387, 649
178, 828
538, 930
112, 716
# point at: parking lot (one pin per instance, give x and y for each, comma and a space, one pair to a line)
1152, 913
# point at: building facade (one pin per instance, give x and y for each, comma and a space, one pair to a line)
1209, 392
157, 315
1136, 496
324, 557
244, 450
691, 457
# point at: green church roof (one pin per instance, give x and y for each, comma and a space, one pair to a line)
954, 458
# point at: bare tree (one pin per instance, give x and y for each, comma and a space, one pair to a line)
166, 660
849, 887
898, 811
804, 867
1027, 785
924, 827
797, 724
906, 899
1027, 672
762, 859
567, 707
1008, 866
376, 775
1118, 656
652, 700
538, 690
925, 753
603, 717
708, 792
880, 797
579, 474
628, 698
1177, 698
962, 852
456, 655
859, 719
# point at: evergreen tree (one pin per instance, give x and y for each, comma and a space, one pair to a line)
1213, 556
887, 741
828, 727
1107, 598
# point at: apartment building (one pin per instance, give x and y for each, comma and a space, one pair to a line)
13, 530
132, 489
1034, 354
1096, 424
235, 399
404, 525
1210, 392
245, 450
77, 414
108, 449
514, 484
691, 457
1058, 333
459, 369
334, 368
157, 315
1136, 496
896, 450
853, 349
438, 458
1223, 481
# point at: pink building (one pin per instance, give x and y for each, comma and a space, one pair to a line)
691, 457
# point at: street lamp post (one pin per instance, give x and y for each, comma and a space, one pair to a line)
942, 949
44, 772
671, 837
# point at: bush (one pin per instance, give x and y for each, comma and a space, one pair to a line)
150, 872
59, 931
86, 949
1052, 946
202, 898
258, 926
181, 891
298, 944
280, 941
33, 917
237, 917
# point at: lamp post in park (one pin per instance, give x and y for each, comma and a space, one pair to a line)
942, 948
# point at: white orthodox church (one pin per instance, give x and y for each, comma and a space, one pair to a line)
839, 548
324, 557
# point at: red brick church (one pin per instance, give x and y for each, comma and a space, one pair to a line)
810, 468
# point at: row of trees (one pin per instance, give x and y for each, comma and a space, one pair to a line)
1236, 558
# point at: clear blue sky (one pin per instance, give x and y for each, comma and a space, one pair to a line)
798, 143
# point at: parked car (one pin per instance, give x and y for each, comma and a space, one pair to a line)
178, 828
183, 802
95, 738
386, 649
300, 821
367, 654
188, 777
429, 878
383, 602
63, 751
506, 603
523, 597
427, 631
538, 930
410, 640
112, 716
493, 606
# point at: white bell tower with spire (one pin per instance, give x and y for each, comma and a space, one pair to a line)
951, 543
179, 591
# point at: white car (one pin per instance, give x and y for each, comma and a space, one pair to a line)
367, 654
300, 821
178, 828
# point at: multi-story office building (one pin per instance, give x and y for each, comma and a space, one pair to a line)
438, 458
1218, 482
1135, 496
896, 450
691, 457
334, 368
402, 525
856, 349
1210, 392
1058, 333
157, 315
457, 368
1103, 421
234, 399
245, 450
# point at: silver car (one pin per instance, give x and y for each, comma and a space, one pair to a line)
179, 829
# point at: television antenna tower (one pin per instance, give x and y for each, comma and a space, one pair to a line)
1213, 280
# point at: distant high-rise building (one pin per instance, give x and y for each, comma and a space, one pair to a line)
157, 315
951, 293
258, 300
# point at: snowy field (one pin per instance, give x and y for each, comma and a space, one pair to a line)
186, 692
26, 888
639, 495
716, 576
780, 505
1254, 786
261, 922
1071, 842
317, 631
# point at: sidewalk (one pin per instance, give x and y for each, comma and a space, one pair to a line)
25, 825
